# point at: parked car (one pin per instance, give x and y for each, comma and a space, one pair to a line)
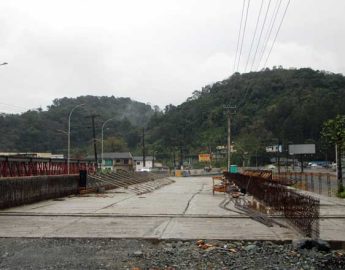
315, 166
271, 167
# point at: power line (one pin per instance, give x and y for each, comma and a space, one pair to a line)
244, 32
239, 35
275, 37
262, 29
256, 27
272, 22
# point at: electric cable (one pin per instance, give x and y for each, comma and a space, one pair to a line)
275, 37
252, 43
273, 20
262, 29
244, 32
239, 35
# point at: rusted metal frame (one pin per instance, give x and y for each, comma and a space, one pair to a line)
23, 166
124, 177
305, 181
301, 210
329, 184
320, 183
45, 168
312, 182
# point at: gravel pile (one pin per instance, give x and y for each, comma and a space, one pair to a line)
143, 254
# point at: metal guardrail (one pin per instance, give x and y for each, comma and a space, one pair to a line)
318, 182
300, 210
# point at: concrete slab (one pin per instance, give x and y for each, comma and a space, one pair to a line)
73, 204
185, 209
139, 227
332, 229
228, 228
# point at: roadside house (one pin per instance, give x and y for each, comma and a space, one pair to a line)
139, 163
115, 161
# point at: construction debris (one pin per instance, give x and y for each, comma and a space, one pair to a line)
137, 182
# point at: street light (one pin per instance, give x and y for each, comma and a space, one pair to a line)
102, 138
4, 63
69, 135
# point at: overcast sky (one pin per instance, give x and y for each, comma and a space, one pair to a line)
154, 51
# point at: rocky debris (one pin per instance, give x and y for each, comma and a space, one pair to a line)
131, 254
138, 253
318, 244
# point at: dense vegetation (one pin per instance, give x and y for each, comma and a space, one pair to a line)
38, 130
289, 106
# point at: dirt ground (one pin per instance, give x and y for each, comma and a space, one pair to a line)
39, 253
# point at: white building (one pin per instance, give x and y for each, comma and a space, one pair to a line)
139, 163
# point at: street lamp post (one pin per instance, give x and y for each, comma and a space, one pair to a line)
69, 135
102, 138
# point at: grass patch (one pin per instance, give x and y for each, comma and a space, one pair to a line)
341, 195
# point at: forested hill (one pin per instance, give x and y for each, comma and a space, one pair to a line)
289, 105
46, 130
279, 104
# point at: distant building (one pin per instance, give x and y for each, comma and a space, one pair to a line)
115, 161
139, 163
32, 155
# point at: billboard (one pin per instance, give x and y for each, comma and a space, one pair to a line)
274, 149
297, 149
204, 157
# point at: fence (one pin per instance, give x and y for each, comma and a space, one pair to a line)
321, 183
300, 210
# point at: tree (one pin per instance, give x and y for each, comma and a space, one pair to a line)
334, 132
115, 144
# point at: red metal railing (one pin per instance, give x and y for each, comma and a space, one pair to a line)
22, 166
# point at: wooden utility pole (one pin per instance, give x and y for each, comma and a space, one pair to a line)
93, 116
144, 158
153, 158
230, 110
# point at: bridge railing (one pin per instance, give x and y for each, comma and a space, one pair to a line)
24, 166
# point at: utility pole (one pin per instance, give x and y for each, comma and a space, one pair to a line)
181, 157
230, 110
278, 154
93, 116
153, 159
174, 156
144, 158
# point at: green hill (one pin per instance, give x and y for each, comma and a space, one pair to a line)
279, 104
38, 130
272, 105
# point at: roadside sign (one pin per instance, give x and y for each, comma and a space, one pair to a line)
298, 149
204, 157
274, 148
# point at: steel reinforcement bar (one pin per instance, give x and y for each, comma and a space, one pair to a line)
23, 166
301, 210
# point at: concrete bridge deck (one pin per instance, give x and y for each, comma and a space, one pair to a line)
185, 209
